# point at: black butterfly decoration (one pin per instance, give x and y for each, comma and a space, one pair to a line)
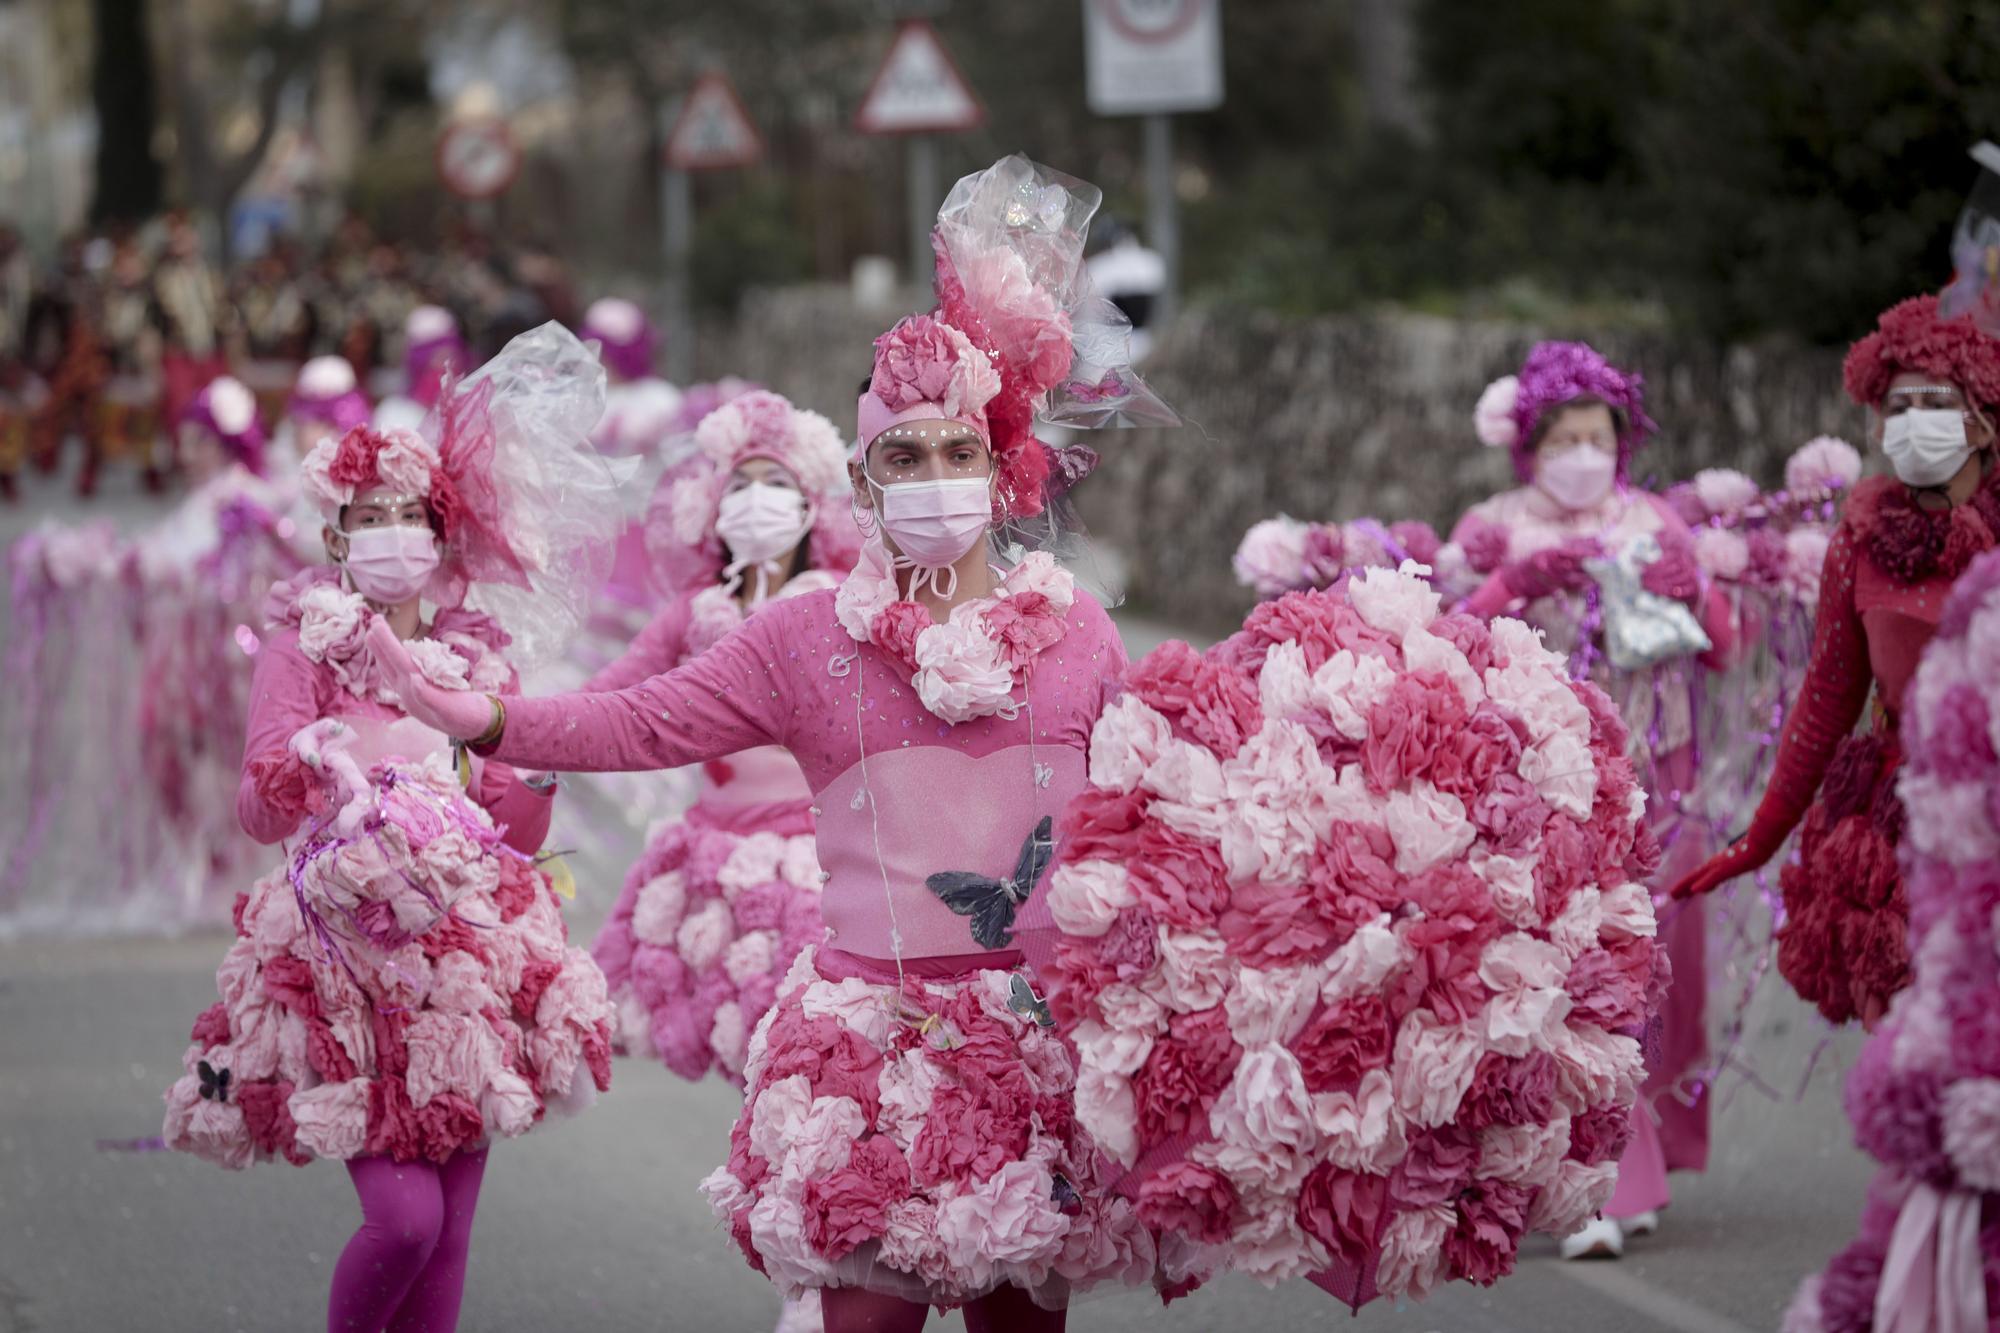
1067, 1201
991, 902
1021, 998
214, 1082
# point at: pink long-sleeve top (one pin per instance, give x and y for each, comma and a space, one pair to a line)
289, 691
899, 794
757, 785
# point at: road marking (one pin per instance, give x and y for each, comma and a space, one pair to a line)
1636, 1294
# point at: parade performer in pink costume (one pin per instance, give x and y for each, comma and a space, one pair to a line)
721, 902
401, 990
1934, 387
909, 1136
1563, 549
1925, 1094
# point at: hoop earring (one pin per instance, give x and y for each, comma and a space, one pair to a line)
864, 519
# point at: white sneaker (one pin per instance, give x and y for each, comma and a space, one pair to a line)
1645, 1224
1601, 1238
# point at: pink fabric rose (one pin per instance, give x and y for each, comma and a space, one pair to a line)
1342, 1210
1217, 705
1024, 625
849, 1206
1179, 880
1420, 715
895, 631
1486, 1233
1190, 1200
1343, 1042
913, 363
1173, 1090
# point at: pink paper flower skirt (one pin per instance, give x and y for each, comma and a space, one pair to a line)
921, 1143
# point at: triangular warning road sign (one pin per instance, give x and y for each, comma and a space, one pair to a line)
713, 129
918, 89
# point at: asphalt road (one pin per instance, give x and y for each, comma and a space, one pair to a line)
596, 1224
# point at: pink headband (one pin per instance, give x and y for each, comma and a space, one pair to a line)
873, 416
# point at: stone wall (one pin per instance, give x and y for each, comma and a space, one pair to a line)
1331, 417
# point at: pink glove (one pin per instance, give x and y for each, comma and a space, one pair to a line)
457, 713
1558, 569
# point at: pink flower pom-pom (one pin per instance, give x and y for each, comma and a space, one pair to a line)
1723, 491
1271, 557
1300, 986
1824, 463
1493, 414
1721, 553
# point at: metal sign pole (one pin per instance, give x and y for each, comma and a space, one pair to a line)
922, 173
1163, 225
677, 237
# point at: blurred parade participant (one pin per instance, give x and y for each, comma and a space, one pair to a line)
1933, 387
201, 571
401, 991
326, 401
1133, 278
922, 756
126, 380
197, 325
641, 413
1608, 570
432, 348
22, 392
278, 328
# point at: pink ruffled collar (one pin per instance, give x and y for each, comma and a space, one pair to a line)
969, 666
460, 652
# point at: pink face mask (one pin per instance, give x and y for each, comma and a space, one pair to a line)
1579, 477
390, 565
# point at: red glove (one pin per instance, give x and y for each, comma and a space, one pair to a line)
1557, 569
1746, 854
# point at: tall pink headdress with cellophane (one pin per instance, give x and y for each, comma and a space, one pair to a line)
1019, 338
527, 509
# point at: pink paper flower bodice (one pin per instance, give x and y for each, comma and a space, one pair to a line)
289, 691
793, 676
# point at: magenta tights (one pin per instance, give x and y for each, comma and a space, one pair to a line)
404, 1271
1008, 1310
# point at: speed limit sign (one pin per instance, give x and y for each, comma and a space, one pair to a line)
478, 159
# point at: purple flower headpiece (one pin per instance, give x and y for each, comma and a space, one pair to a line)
624, 335
1554, 374
327, 392
228, 411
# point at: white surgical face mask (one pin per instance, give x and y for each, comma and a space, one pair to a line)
1926, 446
934, 523
761, 523
1579, 477
390, 565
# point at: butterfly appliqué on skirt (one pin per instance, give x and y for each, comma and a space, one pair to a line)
991, 903
214, 1082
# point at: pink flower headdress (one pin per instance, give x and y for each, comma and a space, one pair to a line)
680, 519
1557, 373
1018, 335
526, 508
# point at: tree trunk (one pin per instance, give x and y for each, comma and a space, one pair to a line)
121, 85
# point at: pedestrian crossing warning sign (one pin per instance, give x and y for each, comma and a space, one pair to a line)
919, 88
713, 130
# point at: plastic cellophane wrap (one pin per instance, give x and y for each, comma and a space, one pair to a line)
522, 424
1010, 276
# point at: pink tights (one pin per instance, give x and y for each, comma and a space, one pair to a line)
404, 1271
1007, 1310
